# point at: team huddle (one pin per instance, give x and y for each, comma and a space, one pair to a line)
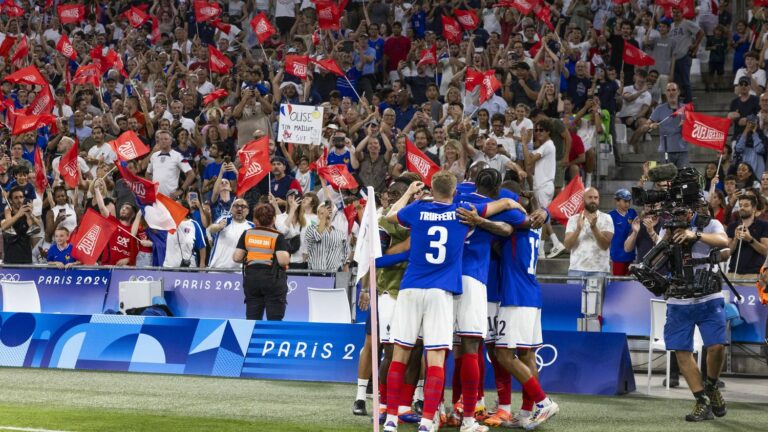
470, 278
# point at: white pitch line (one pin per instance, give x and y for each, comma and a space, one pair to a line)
22, 429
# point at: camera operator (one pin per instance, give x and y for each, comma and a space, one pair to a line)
684, 312
748, 240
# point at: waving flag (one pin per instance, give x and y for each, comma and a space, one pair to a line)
24, 123
428, 56
64, 46
368, 246
683, 109
164, 214
113, 59
88, 74
205, 11
330, 65
472, 79
489, 85
12, 10
525, 7
97, 56
328, 15
635, 56
262, 27
68, 168
687, 8
71, 13
296, 65
41, 180
214, 95
136, 17
467, 18
416, 161
321, 162
451, 30
5, 47
217, 61
92, 236
706, 131
22, 50
128, 146
254, 162
43, 103
338, 176
221, 25
144, 190
544, 13
569, 202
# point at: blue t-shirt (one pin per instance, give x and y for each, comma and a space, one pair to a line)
419, 24
342, 159
622, 228
437, 239
494, 279
519, 257
60, 255
212, 171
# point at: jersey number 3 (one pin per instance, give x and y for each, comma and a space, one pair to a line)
439, 244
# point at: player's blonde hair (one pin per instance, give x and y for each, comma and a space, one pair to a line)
443, 184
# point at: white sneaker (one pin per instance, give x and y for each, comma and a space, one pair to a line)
518, 421
474, 427
556, 250
542, 412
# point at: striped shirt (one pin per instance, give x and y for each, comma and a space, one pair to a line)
327, 250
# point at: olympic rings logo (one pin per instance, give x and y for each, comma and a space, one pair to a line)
292, 286
142, 278
10, 277
544, 352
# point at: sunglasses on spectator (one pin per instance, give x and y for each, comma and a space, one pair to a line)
240, 206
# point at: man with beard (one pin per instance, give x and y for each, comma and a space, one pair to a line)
281, 183
226, 232
747, 240
588, 237
122, 248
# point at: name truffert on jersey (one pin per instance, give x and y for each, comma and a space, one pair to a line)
429, 216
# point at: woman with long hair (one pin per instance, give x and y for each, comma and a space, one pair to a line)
455, 162
293, 224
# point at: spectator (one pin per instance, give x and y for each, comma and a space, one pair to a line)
623, 217
326, 244
750, 148
280, 182
644, 234
753, 73
226, 232
185, 247
18, 226
372, 163
637, 104
61, 215
165, 166
588, 237
671, 143
60, 253
745, 177
293, 224
747, 240
743, 106
661, 47
687, 36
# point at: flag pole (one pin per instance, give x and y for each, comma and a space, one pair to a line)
352, 87
719, 161
373, 310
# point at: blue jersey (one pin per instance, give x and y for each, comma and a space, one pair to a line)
622, 228
519, 256
60, 255
437, 240
494, 279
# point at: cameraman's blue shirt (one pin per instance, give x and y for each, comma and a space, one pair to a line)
622, 228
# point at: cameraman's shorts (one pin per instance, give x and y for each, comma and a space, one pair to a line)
708, 315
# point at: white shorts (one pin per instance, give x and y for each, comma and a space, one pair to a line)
470, 309
545, 194
427, 312
386, 306
518, 327
493, 309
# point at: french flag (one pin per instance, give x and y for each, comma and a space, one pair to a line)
164, 214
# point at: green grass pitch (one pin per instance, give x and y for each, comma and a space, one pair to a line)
97, 401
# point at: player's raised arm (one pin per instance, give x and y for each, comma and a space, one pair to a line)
403, 201
501, 205
472, 218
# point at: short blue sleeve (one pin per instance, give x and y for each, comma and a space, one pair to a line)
514, 217
408, 215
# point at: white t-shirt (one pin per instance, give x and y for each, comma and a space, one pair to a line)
70, 221
759, 76
632, 109
55, 166
165, 169
583, 47
286, 8
587, 255
180, 245
497, 162
104, 151
517, 130
546, 166
225, 243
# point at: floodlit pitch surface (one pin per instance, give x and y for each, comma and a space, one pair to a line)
59, 400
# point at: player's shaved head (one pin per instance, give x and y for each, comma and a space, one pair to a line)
443, 185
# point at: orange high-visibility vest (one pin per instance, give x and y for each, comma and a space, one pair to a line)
260, 244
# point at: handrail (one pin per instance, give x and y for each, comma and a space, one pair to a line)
175, 269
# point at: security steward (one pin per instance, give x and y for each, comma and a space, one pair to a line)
264, 254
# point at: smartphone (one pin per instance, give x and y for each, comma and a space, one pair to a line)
227, 159
651, 164
192, 196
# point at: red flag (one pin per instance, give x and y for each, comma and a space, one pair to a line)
65, 47
217, 61
22, 50
88, 74
467, 18
328, 15
416, 161
92, 237
296, 65
5, 47
451, 30
489, 85
706, 131
145, 190
136, 17
216, 94
129, 146
429, 56
683, 108
71, 13
97, 56
350, 213
154, 36
255, 165
330, 65
41, 180
534, 50
221, 25
27, 75
13, 11
321, 162
472, 79
43, 103
113, 59
635, 56
316, 37
26, 123
569, 202
524, 6
262, 27
543, 13
338, 176
68, 168
205, 11
686, 7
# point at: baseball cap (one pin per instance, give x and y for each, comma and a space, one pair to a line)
745, 80
623, 194
279, 159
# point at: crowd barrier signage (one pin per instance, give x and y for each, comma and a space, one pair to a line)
64, 291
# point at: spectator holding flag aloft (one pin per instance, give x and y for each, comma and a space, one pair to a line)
668, 118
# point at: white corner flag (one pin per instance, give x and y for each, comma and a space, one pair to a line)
368, 247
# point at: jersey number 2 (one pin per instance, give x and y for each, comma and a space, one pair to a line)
534, 248
439, 244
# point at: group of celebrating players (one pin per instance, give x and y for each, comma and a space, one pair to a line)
459, 269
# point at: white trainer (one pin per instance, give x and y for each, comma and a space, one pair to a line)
556, 250
518, 421
542, 412
474, 427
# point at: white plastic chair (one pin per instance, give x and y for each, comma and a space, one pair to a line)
329, 306
20, 296
657, 343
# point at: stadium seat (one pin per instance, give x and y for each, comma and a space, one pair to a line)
656, 342
329, 306
20, 296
